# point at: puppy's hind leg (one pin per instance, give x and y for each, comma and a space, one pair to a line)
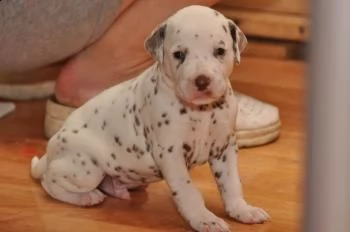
72, 183
113, 187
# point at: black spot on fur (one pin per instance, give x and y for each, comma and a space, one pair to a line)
85, 125
78, 154
170, 149
145, 134
188, 181
211, 152
88, 172
202, 107
75, 131
108, 164
137, 121
177, 31
135, 130
164, 115
117, 140
64, 140
216, 13
219, 104
94, 161
183, 111
196, 36
113, 156
135, 148
155, 91
53, 181
65, 177
224, 148
159, 124
193, 129
186, 147
217, 174
96, 111
103, 125
224, 158
128, 150
134, 107
161, 155
214, 122
167, 122
117, 169
83, 163
224, 27
174, 193
124, 115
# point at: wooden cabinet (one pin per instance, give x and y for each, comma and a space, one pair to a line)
275, 28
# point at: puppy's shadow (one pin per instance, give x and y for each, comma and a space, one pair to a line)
148, 208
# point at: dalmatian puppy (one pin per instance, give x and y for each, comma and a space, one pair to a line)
178, 114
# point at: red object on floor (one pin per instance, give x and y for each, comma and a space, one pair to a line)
30, 150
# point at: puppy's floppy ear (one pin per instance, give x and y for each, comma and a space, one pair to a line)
155, 41
239, 40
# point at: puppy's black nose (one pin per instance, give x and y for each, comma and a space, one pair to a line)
202, 82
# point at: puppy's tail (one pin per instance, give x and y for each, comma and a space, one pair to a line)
38, 166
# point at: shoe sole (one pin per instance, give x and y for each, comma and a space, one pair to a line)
260, 136
57, 113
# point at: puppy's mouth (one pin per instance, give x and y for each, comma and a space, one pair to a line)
193, 95
204, 97
207, 94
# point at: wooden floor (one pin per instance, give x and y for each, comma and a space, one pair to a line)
272, 175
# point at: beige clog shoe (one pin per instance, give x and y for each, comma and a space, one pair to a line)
257, 122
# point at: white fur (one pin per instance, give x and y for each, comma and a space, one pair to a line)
153, 128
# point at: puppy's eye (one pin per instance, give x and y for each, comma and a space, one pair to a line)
179, 55
219, 52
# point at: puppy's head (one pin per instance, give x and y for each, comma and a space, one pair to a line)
197, 48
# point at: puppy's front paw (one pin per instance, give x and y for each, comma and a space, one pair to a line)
208, 222
245, 213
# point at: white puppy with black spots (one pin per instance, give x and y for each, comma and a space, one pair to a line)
177, 114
